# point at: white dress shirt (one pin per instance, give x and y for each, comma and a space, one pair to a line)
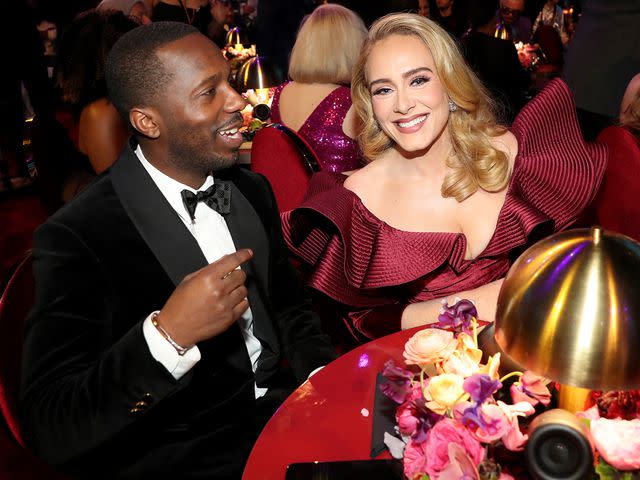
213, 236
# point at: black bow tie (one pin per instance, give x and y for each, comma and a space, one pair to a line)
217, 196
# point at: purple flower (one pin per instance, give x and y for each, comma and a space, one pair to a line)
458, 317
487, 422
480, 387
472, 418
415, 419
398, 384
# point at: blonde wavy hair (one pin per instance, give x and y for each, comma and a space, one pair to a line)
475, 163
327, 46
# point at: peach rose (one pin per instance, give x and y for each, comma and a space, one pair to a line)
430, 345
492, 366
465, 360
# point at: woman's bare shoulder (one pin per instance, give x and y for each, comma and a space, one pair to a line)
361, 180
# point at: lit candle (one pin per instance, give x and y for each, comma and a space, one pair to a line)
263, 94
238, 47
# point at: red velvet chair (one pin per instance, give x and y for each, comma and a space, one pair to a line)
285, 158
616, 205
16, 298
551, 45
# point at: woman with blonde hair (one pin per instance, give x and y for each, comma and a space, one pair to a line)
449, 197
317, 101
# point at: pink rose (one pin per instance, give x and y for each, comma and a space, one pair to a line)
589, 414
443, 433
430, 345
618, 441
414, 459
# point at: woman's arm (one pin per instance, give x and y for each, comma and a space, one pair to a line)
484, 297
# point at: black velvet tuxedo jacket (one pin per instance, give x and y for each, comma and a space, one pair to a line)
94, 400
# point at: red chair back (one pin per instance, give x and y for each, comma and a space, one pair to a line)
616, 205
550, 43
15, 303
285, 158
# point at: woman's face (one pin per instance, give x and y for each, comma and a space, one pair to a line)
408, 99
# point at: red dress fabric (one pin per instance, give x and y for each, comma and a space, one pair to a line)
616, 205
376, 270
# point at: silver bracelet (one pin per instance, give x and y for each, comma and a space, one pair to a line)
181, 350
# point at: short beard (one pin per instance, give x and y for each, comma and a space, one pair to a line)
196, 162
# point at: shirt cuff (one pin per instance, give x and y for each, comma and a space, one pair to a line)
315, 371
164, 353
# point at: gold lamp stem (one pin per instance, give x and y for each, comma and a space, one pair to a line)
573, 399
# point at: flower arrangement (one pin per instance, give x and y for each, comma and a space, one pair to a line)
455, 412
529, 55
237, 55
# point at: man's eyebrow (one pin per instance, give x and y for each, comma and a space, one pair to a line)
212, 79
404, 75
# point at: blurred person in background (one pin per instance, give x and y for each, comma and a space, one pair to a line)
510, 15
495, 60
82, 55
601, 59
630, 106
209, 16
551, 15
276, 25
22, 54
317, 101
449, 16
135, 9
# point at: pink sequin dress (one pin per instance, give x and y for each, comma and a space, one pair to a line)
323, 130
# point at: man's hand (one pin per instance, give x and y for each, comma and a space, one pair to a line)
207, 302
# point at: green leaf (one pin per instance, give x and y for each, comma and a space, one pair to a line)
607, 471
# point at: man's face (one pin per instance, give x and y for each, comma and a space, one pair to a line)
199, 109
510, 10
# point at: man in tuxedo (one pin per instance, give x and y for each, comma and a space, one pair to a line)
168, 322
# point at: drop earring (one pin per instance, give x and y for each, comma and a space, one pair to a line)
452, 106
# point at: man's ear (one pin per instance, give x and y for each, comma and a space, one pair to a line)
146, 121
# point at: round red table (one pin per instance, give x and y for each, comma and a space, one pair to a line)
329, 417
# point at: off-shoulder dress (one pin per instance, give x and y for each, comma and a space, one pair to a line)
375, 270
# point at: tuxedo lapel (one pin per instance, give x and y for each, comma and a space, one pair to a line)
159, 225
175, 248
247, 231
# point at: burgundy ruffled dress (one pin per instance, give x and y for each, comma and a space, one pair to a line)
323, 130
375, 270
